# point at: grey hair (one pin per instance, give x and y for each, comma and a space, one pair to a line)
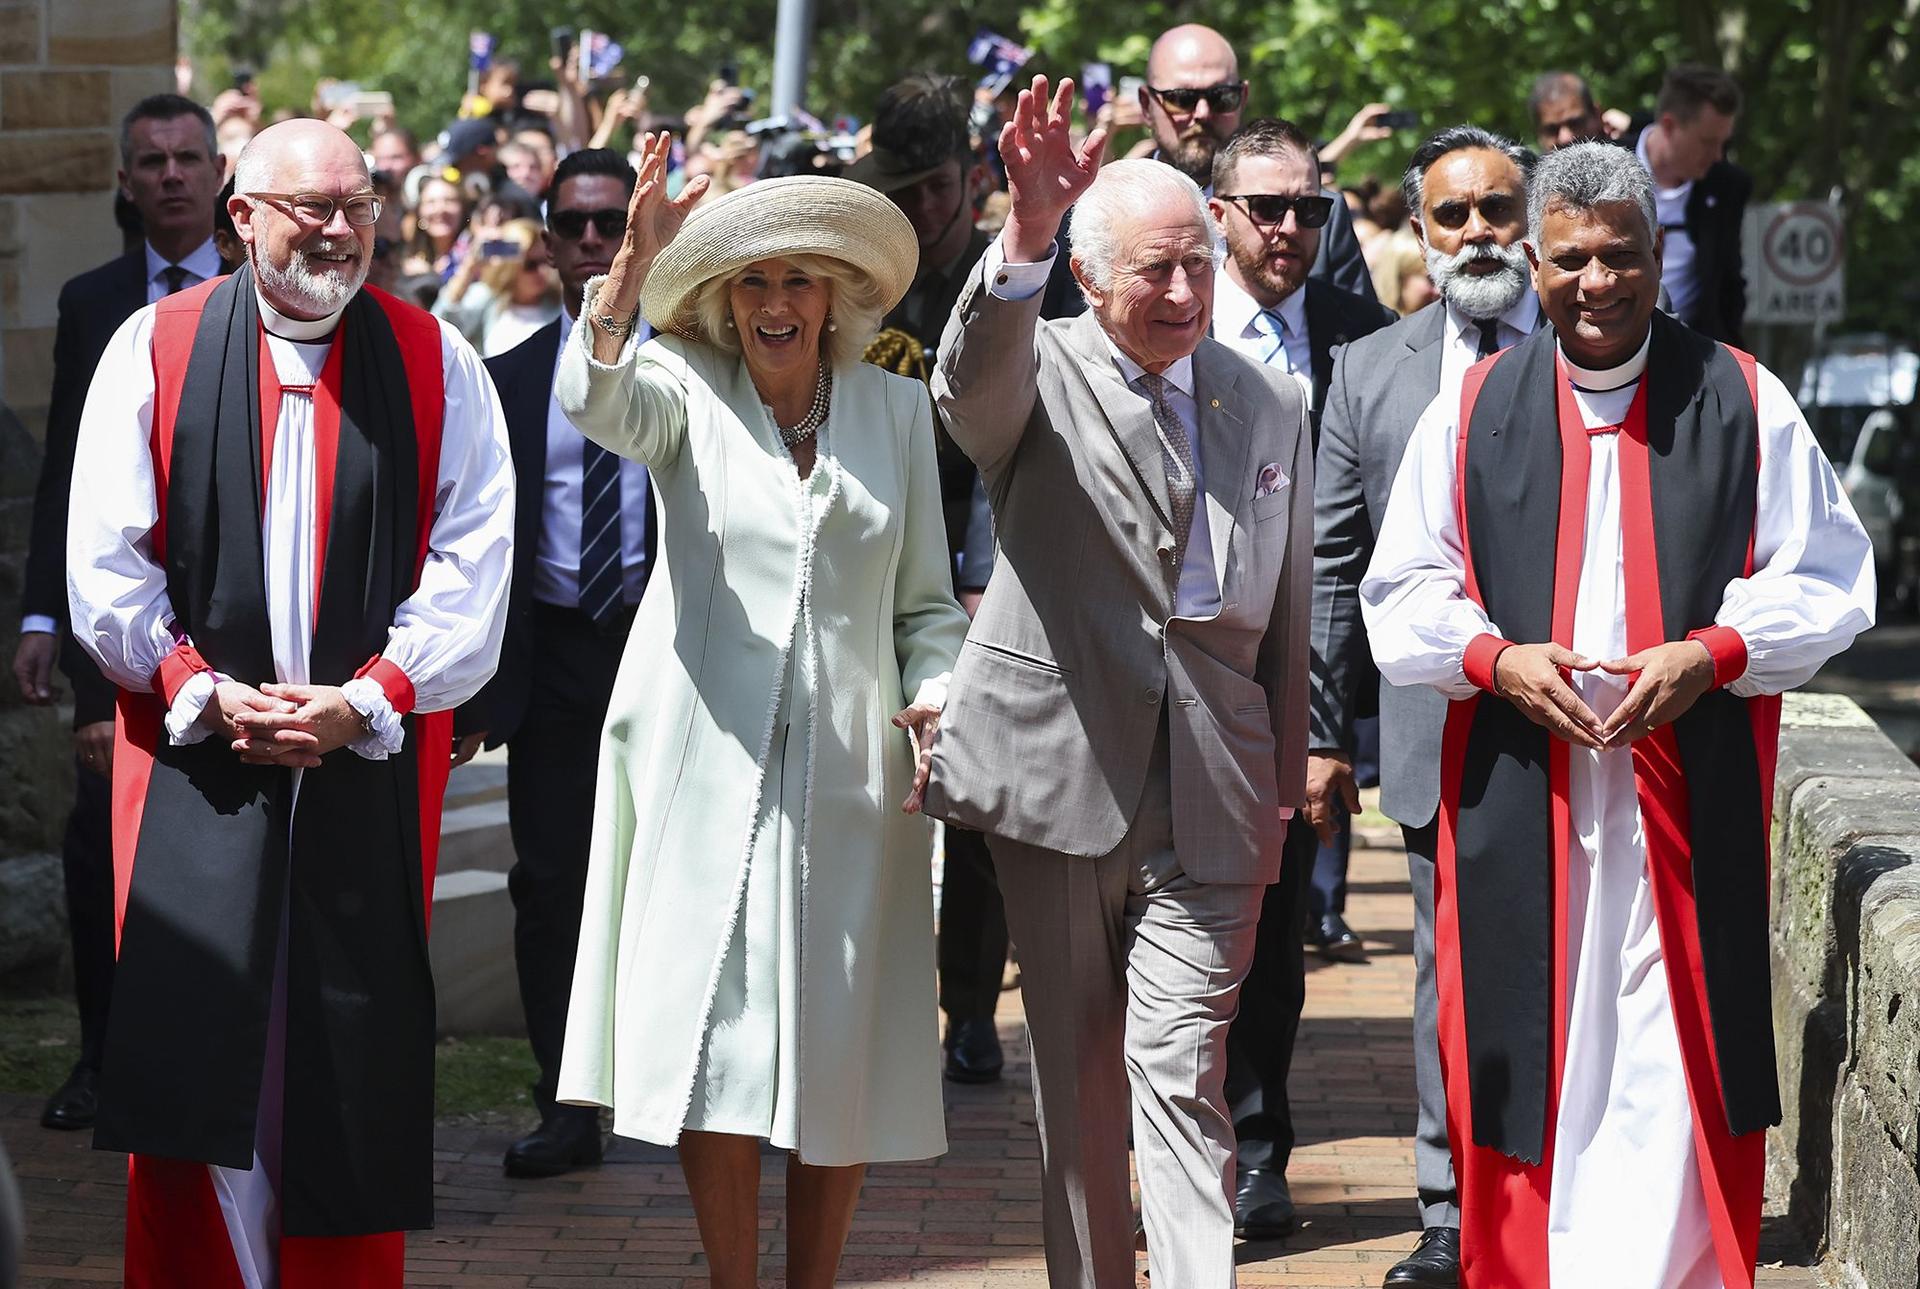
1120, 191
856, 308
1585, 175
253, 170
164, 107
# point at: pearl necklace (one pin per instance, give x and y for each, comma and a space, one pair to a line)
809, 425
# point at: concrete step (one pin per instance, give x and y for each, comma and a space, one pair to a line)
472, 952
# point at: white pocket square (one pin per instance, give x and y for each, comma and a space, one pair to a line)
1270, 480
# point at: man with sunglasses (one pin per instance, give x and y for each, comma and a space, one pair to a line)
289, 546
1193, 99
1468, 191
584, 543
1267, 198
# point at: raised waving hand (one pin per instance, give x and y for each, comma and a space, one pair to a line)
1046, 173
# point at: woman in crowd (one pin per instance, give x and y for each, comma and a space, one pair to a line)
438, 218
756, 958
504, 290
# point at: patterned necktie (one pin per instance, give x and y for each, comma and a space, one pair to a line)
175, 277
1270, 324
600, 565
1176, 453
1489, 337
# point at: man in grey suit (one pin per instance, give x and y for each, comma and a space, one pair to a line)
1127, 721
1468, 191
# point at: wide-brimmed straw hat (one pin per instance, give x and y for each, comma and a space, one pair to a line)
778, 219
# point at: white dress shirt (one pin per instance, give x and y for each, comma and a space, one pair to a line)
1198, 594
202, 264
1462, 336
1237, 322
445, 637
1677, 269
556, 563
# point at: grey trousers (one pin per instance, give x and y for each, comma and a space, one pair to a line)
1432, 1157
1131, 973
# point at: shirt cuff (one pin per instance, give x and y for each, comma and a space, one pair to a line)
1483, 651
1015, 281
933, 691
39, 624
189, 701
388, 733
586, 329
1729, 650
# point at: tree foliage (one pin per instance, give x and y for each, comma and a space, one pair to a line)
1833, 98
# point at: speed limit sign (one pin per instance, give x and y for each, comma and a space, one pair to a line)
1796, 262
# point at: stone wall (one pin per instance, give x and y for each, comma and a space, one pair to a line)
1846, 947
69, 69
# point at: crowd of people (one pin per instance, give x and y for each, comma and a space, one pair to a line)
766, 491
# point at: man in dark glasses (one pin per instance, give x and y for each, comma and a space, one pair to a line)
583, 548
1193, 100
1268, 201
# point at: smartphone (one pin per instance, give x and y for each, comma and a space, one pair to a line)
728, 72
1130, 87
1396, 120
563, 38
501, 248
369, 104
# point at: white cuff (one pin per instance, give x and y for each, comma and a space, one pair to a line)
1015, 281
389, 732
183, 718
933, 691
586, 329
39, 624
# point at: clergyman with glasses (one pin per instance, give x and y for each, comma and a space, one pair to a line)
584, 548
290, 543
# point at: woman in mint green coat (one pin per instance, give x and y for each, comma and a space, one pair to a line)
756, 958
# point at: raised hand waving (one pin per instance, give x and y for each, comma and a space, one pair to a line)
1046, 173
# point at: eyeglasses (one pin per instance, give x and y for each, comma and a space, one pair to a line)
1267, 209
571, 225
1220, 98
316, 208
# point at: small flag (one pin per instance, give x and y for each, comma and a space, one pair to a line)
1096, 79
480, 46
602, 54
1001, 57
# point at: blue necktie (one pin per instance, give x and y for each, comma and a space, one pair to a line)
600, 563
1272, 325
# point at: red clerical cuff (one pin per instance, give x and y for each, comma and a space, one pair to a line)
176, 669
1729, 652
392, 681
1482, 653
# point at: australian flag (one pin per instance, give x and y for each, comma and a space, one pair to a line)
480, 46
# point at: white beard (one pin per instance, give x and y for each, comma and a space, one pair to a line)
323, 293
1480, 297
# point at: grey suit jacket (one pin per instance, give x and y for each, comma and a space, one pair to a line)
1381, 384
1060, 688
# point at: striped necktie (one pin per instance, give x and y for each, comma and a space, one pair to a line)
601, 573
1270, 324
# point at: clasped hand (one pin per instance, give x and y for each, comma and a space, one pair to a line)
286, 725
922, 722
1668, 679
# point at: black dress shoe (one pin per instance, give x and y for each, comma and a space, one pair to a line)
1336, 940
74, 1105
1433, 1264
567, 1139
973, 1050
1262, 1206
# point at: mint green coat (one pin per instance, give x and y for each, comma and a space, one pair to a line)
688, 731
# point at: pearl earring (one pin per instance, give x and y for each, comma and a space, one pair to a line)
831, 324
729, 324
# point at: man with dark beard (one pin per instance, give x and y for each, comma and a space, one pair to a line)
1468, 192
1267, 199
290, 542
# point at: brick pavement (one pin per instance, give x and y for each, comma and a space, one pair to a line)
968, 1219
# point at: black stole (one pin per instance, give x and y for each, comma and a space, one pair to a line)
223, 857
1702, 450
